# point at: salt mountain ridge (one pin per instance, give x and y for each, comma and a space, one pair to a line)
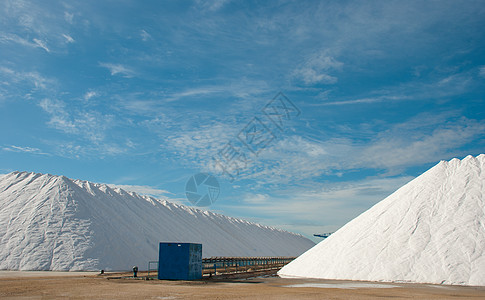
431, 230
52, 222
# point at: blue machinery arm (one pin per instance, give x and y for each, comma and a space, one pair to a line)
323, 235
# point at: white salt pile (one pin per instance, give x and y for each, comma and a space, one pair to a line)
432, 230
54, 223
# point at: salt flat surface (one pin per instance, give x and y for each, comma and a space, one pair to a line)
52, 222
21, 274
356, 285
432, 230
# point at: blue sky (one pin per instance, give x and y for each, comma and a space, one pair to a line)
144, 94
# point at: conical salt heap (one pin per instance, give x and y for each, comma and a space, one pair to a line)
432, 230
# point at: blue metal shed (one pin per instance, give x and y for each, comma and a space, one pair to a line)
180, 261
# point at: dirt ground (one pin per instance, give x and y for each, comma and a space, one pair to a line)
15, 285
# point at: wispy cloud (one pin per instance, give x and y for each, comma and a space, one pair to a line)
41, 44
20, 149
153, 103
36, 43
59, 115
143, 190
316, 208
89, 95
482, 71
242, 89
150, 191
145, 36
69, 17
316, 69
200, 91
68, 38
443, 86
256, 198
212, 5
299, 160
6, 37
78, 149
75, 120
118, 69
33, 79
365, 100
37, 24
91, 125
197, 147
421, 140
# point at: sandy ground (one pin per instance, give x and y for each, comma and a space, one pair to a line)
17, 274
55, 285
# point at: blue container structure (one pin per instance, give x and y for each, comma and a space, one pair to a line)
180, 261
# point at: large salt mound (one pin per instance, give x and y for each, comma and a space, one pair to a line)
432, 230
54, 223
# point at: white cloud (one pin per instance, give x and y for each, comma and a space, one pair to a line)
420, 140
68, 38
91, 125
150, 191
36, 43
118, 69
5, 37
256, 198
130, 144
87, 124
15, 84
41, 44
142, 190
367, 100
89, 95
19, 40
445, 86
200, 91
68, 17
242, 89
98, 150
298, 160
59, 116
33, 78
311, 76
42, 24
13, 148
293, 160
152, 103
317, 208
482, 71
316, 69
406, 145
200, 145
145, 36
212, 5
322, 61
144, 107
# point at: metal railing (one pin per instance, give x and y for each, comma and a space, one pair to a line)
219, 265
153, 271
